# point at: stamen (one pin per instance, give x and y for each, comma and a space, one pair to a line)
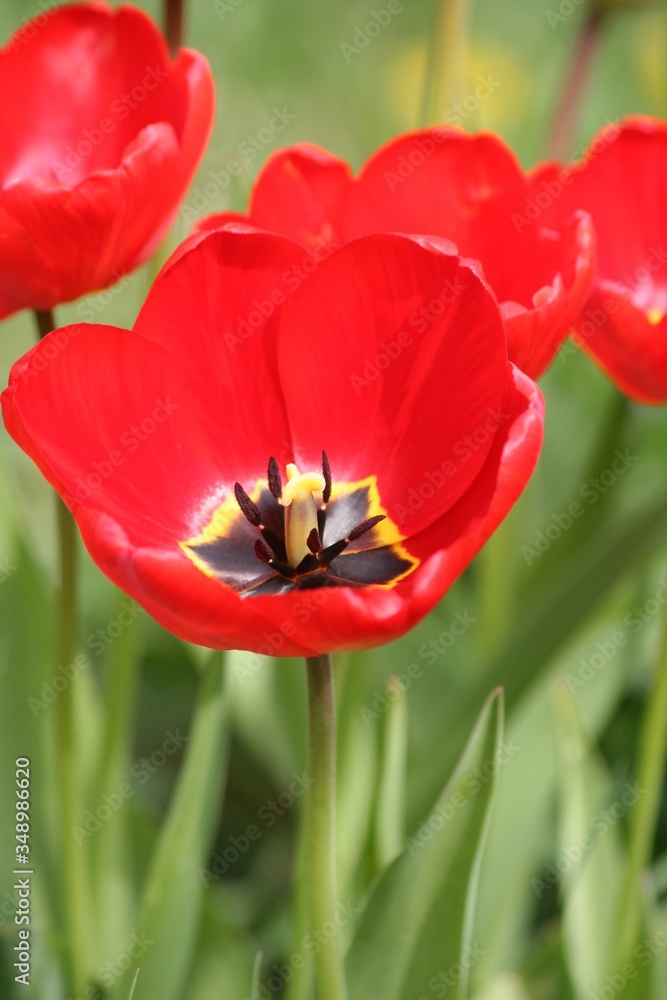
262, 551
326, 470
365, 526
313, 542
327, 555
274, 480
265, 555
248, 507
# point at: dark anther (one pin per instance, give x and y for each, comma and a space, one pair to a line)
265, 555
365, 526
313, 542
326, 472
262, 551
274, 480
329, 554
248, 507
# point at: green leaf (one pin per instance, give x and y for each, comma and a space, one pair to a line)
134, 983
589, 860
417, 926
257, 968
572, 594
173, 894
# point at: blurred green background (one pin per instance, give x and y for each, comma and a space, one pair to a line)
539, 625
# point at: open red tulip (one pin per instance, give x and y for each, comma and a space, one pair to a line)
286, 466
620, 181
101, 134
439, 181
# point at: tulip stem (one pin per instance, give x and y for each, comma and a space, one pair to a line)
443, 68
319, 828
45, 322
560, 141
174, 24
650, 776
76, 901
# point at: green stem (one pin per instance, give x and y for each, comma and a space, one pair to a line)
300, 986
78, 911
76, 902
567, 112
650, 777
319, 828
443, 68
112, 882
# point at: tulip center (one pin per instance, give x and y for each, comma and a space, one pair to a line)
309, 532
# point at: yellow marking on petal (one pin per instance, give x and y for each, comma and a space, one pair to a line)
220, 526
654, 316
385, 533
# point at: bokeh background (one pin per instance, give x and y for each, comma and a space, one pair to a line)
540, 624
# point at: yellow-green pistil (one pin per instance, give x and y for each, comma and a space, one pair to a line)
301, 498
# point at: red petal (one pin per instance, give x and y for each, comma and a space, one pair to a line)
300, 193
534, 335
104, 112
131, 440
392, 359
214, 308
620, 337
620, 182
457, 537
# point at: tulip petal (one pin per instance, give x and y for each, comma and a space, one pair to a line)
394, 351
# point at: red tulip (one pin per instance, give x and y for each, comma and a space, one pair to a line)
190, 450
101, 134
440, 181
621, 182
